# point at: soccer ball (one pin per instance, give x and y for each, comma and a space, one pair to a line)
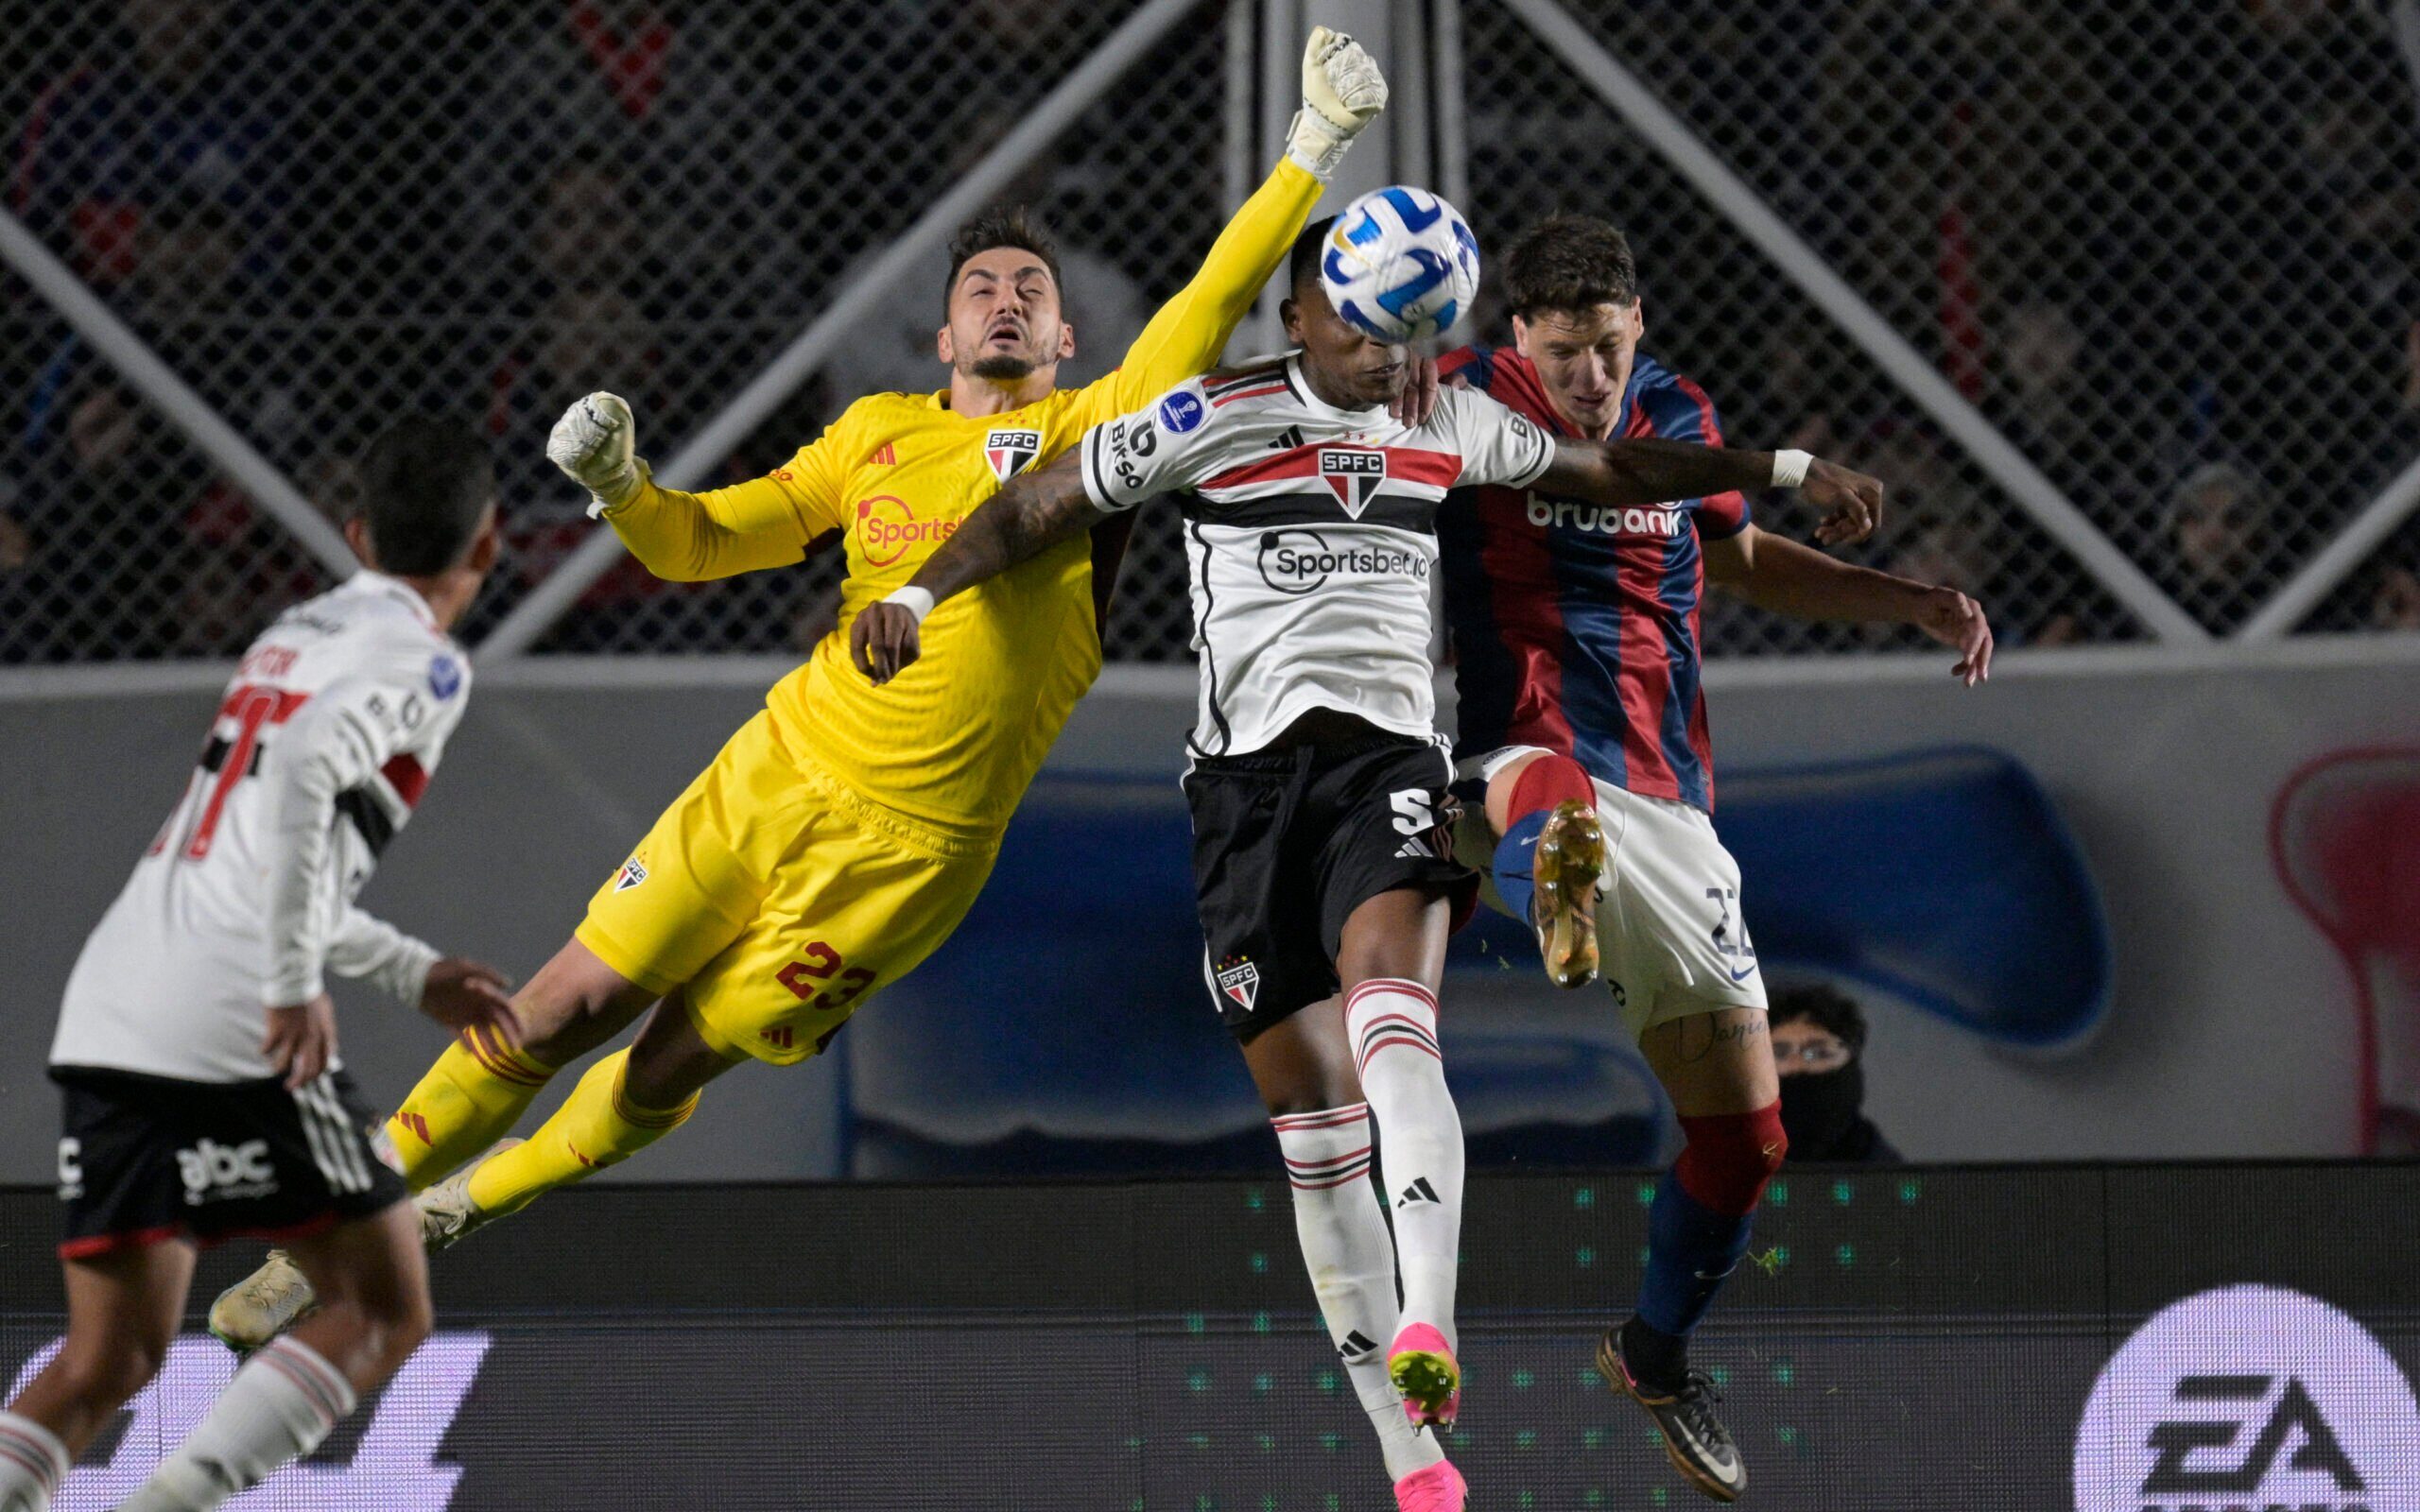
1400, 265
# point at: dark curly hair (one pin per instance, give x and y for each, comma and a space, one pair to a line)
1825, 1006
1568, 262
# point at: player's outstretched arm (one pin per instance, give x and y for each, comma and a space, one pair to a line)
688, 537
1641, 471
1035, 512
1778, 574
1343, 91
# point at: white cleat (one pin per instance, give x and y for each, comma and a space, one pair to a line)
447, 1215
263, 1305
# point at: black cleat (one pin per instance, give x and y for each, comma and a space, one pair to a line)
1694, 1438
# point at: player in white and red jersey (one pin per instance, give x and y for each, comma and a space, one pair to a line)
1318, 783
196, 1048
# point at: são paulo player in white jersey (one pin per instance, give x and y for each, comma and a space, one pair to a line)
1318, 783
196, 1048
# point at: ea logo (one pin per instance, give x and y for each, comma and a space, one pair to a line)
2250, 1397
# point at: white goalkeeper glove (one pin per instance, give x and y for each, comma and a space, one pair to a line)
591, 444
1342, 92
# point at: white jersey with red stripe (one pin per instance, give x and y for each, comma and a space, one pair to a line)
321, 746
1311, 533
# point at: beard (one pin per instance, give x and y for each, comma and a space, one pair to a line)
1003, 368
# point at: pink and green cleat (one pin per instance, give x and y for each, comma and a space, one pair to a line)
1421, 1366
1437, 1488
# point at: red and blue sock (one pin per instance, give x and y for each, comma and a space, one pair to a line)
1545, 783
1697, 1230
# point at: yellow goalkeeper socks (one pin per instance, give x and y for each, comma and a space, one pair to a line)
470, 1099
595, 1127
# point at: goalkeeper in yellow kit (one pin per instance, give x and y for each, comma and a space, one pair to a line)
846, 828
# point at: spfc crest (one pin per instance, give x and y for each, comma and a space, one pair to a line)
1009, 450
1240, 980
1354, 475
634, 872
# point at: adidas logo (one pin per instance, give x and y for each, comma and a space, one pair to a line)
1288, 438
883, 456
1357, 1343
1420, 1191
780, 1037
1417, 848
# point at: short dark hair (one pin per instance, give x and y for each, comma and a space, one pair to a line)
1004, 226
1302, 259
1825, 1006
1570, 264
426, 484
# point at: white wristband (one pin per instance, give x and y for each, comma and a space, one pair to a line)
917, 601
1790, 467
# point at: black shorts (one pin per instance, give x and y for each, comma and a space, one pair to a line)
1288, 843
149, 1158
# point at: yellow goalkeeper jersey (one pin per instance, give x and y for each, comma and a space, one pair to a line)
955, 739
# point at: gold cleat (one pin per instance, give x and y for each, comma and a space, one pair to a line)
1565, 870
263, 1305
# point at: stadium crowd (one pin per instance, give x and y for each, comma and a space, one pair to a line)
2172, 251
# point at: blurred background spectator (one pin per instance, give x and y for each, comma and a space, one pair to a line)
1819, 1048
2148, 240
152, 107
2221, 523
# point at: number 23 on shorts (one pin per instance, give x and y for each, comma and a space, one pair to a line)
812, 981
825, 983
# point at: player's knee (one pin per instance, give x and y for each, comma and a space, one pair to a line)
1293, 1103
1730, 1157
405, 1324
103, 1375
574, 1003
1317, 1087
394, 1321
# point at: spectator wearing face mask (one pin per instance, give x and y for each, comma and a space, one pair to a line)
1819, 1048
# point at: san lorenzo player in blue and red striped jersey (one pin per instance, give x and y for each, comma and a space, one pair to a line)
1576, 637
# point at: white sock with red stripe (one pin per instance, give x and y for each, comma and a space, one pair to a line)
1391, 1024
278, 1408
1352, 1262
32, 1463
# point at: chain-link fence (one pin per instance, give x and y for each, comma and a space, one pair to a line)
320, 219
2172, 251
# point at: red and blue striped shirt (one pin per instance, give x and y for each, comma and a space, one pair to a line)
1575, 627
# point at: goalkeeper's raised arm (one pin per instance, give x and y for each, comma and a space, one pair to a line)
1003, 337
765, 521
1343, 91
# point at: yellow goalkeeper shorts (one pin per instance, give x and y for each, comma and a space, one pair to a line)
775, 901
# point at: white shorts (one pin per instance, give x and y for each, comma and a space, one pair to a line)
1672, 939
